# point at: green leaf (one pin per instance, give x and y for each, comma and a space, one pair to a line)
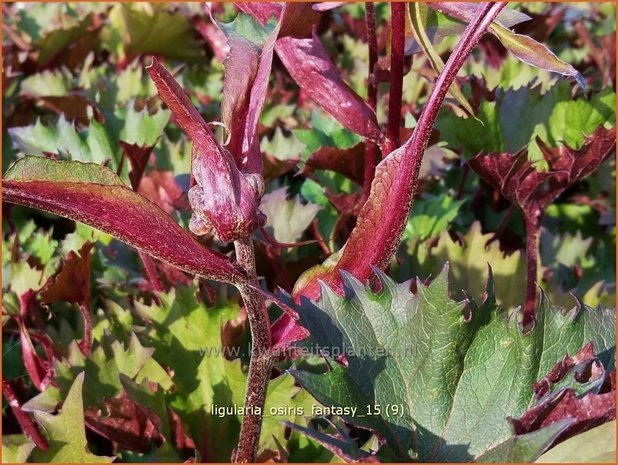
553, 116
469, 260
142, 127
16, 448
65, 431
288, 218
534, 53
571, 119
282, 147
527, 447
419, 19
431, 216
187, 339
325, 132
102, 370
138, 29
454, 373
30, 169
59, 138
595, 445
247, 27
48, 83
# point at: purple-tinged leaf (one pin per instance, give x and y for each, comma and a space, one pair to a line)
308, 63
383, 217
531, 190
126, 422
213, 37
578, 388
348, 162
138, 157
72, 284
185, 113
535, 53
241, 67
523, 47
224, 200
466, 11
161, 188
27, 425
94, 195
310, 66
247, 72
37, 368
262, 11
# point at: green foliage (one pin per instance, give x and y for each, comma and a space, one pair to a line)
431, 216
166, 352
450, 348
324, 132
66, 432
137, 29
288, 218
596, 445
186, 337
553, 116
16, 448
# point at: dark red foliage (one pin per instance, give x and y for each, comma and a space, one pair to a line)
138, 156
161, 188
531, 190
590, 408
27, 425
117, 210
307, 61
126, 422
72, 282
348, 162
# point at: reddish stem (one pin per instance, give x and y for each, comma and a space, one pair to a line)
261, 359
371, 148
362, 252
533, 227
318, 236
26, 423
32, 362
151, 271
86, 344
398, 37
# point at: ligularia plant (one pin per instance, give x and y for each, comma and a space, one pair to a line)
402, 372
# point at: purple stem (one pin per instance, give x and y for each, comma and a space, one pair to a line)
26, 423
398, 37
468, 41
261, 358
32, 362
533, 228
362, 252
371, 148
